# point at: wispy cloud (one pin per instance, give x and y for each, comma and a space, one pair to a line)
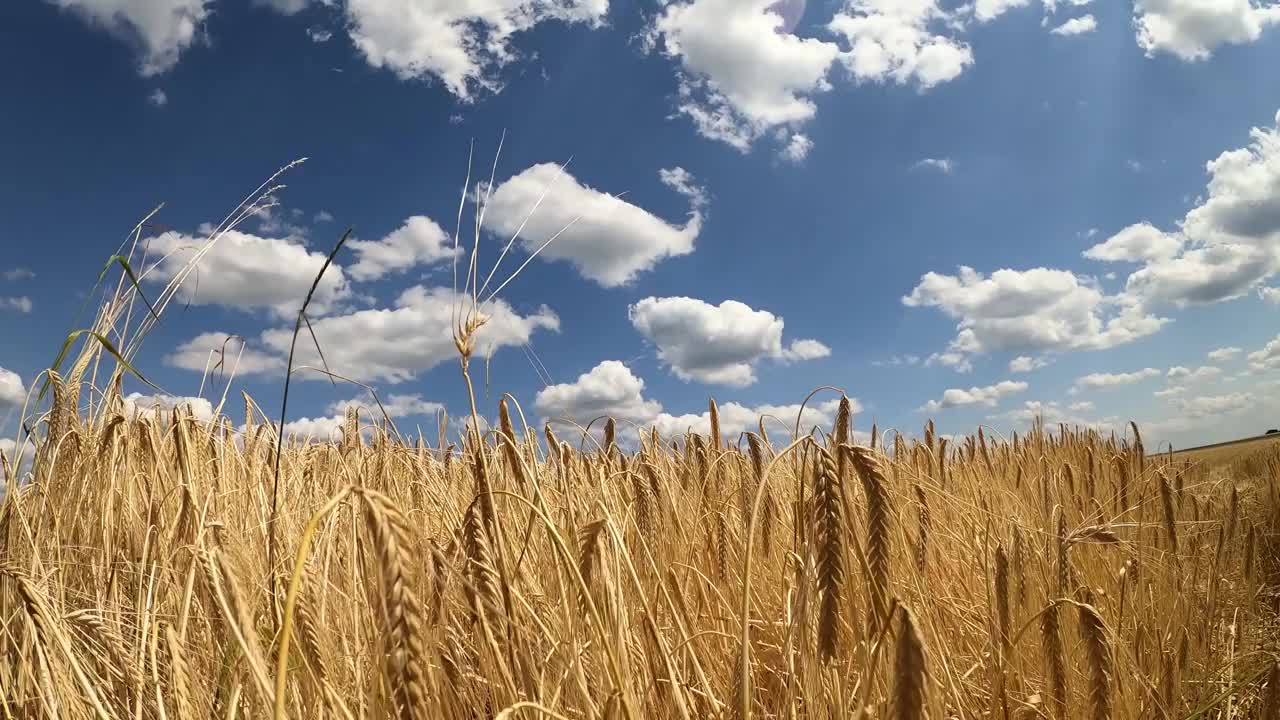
943, 165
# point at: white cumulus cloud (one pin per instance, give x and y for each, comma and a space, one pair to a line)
1052, 412
739, 74
462, 43
158, 405
988, 396
1038, 310
797, 148
1094, 381
396, 344
396, 405
1136, 243
1183, 375
245, 271
942, 165
607, 239
160, 29
13, 392
320, 429
1267, 358
1193, 29
1026, 363
958, 361
20, 304
611, 389
897, 41
718, 344
1076, 26
743, 74
21, 465
736, 418
1226, 245
419, 241
224, 353
1224, 353
988, 10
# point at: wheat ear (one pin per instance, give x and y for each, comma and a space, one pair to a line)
402, 610
869, 469
830, 551
909, 669
1099, 656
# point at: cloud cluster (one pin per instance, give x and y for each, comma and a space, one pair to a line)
1051, 412
1267, 358
464, 45
743, 74
611, 389
1193, 414
1032, 310
716, 344
1225, 246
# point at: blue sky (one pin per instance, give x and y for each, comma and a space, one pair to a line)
761, 198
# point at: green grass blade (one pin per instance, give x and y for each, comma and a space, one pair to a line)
133, 278
106, 345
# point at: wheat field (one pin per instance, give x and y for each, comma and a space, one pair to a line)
1058, 575
157, 565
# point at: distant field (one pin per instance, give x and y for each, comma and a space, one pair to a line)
1219, 452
